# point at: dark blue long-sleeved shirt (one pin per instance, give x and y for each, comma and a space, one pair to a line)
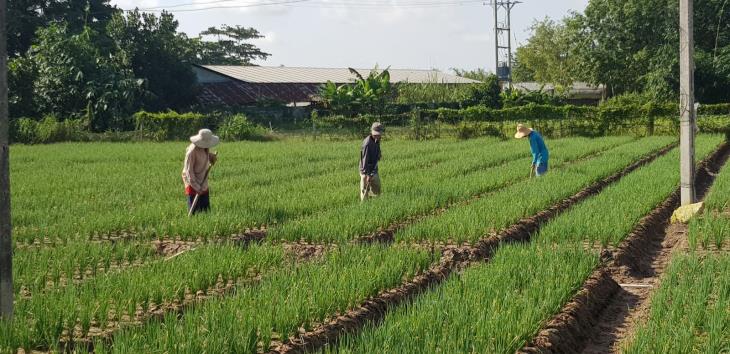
540, 154
369, 156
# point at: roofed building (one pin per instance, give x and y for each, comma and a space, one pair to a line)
247, 85
578, 93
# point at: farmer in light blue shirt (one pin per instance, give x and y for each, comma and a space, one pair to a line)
540, 154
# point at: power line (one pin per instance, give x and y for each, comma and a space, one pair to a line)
310, 4
249, 4
161, 9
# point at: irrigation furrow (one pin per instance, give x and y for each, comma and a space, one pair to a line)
373, 310
605, 309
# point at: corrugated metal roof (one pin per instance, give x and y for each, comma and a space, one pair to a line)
235, 93
267, 75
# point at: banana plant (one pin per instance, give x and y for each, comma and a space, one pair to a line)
365, 95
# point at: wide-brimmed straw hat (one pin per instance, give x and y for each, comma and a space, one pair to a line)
377, 129
205, 139
522, 131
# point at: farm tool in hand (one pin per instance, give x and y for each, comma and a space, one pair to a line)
205, 178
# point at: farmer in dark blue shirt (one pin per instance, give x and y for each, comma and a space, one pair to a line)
369, 157
540, 154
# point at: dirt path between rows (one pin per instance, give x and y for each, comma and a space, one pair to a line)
641, 277
630, 306
615, 300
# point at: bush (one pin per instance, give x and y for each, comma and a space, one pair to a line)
23, 130
238, 127
715, 109
171, 125
48, 130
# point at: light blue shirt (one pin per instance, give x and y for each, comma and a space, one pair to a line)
540, 154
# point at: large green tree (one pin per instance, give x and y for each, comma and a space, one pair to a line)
158, 54
75, 78
227, 45
548, 57
25, 17
632, 46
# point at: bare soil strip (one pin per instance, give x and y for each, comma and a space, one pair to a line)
454, 258
615, 298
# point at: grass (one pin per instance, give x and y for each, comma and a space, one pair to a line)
599, 221
490, 308
424, 192
40, 320
496, 211
71, 191
689, 313
283, 302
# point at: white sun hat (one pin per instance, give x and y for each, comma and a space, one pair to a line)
205, 139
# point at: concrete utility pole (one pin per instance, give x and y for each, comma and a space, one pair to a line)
503, 38
6, 245
686, 101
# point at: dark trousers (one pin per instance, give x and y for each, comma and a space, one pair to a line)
203, 203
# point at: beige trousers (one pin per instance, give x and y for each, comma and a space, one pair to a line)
373, 190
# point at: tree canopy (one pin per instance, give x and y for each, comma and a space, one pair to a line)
631, 46
87, 59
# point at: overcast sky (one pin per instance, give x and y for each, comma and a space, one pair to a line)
414, 34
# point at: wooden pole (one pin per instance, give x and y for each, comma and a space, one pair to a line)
686, 102
6, 244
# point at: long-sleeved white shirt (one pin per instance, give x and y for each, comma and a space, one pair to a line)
196, 163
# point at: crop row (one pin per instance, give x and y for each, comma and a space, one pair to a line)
280, 305
153, 205
689, 312
83, 189
490, 308
712, 227
599, 221
39, 270
522, 286
42, 318
498, 210
269, 296
430, 191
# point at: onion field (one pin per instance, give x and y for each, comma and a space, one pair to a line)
106, 259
